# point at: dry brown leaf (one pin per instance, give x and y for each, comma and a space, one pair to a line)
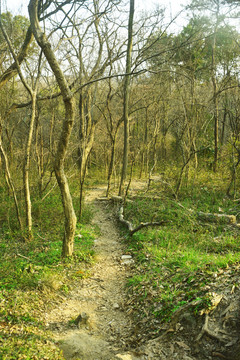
183, 345
215, 300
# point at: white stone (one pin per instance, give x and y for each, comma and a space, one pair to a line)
124, 257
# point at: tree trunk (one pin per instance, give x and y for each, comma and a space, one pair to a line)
10, 182
215, 96
111, 165
126, 97
70, 217
86, 138
26, 167
40, 157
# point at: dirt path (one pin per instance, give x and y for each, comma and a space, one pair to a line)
104, 325
105, 328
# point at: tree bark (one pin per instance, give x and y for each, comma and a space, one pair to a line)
126, 97
70, 217
10, 181
111, 165
13, 69
215, 95
26, 167
86, 140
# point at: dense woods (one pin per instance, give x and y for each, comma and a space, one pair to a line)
99, 92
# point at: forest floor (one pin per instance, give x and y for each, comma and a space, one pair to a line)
95, 320
104, 326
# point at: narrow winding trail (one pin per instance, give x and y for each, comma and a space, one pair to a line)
104, 325
105, 330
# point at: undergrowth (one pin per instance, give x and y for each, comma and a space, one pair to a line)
178, 262
33, 275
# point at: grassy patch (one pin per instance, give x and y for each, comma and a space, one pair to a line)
33, 274
22, 331
178, 261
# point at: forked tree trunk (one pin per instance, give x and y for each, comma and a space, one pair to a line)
70, 217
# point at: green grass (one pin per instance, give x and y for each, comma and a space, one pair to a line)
176, 262
32, 275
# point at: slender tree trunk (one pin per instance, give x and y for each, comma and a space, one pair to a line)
126, 97
215, 96
9, 147
26, 168
224, 124
40, 158
26, 164
111, 165
70, 217
84, 152
10, 182
142, 164
86, 139
233, 175
216, 126
69, 213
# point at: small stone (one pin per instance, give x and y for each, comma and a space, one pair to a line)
116, 306
82, 319
127, 259
102, 308
124, 356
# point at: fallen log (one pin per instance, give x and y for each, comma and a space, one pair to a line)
217, 218
130, 227
126, 223
115, 199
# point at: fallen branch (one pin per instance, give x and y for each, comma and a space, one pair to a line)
116, 199
24, 257
213, 217
143, 225
217, 218
126, 223
130, 227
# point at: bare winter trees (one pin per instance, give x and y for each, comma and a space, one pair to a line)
127, 87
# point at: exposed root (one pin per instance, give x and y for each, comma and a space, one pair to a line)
210, 333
